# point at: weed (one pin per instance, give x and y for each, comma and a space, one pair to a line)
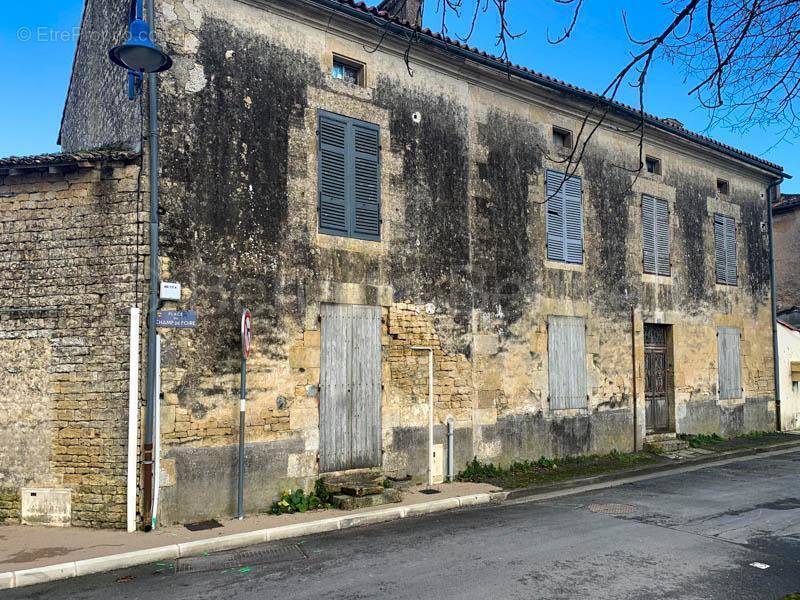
298, 501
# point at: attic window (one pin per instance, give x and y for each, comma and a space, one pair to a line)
347, 70
653, 165
562, 138
722, 187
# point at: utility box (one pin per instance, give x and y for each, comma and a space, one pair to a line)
46, 506
437, 469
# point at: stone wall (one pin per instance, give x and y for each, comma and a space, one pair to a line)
461, 265
786, 227
97, 111
70, 245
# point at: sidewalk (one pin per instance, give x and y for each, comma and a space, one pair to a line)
30, 555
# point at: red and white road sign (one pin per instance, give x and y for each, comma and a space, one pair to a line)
247, 332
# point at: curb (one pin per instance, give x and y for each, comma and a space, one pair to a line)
26, 577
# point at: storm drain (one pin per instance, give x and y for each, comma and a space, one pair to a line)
239, 560
611, 509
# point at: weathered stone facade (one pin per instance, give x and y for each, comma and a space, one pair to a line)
786, 225
461, 266
70, 245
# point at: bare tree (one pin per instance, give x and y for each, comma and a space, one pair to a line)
741, 58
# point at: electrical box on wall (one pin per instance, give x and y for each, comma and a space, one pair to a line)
170, 290
46, 506
437, 470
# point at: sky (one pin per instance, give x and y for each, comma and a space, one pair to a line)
38, 37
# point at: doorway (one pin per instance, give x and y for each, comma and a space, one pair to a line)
657, 378
350, 387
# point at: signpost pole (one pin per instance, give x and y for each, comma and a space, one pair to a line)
247, 332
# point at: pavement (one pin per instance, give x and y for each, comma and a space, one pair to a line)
729, 530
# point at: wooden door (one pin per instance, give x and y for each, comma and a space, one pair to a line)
656, 389
350, 387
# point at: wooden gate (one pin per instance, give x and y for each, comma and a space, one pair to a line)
656, 390
350, 382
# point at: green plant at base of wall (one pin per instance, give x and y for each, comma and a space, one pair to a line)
298, 501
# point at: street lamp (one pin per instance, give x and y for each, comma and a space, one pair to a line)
140, 55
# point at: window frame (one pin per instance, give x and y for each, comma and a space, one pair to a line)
566, 134
723, 187
360, 67
657, 169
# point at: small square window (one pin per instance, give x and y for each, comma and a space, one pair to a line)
653, 165
722, 187
348, 71
562, 138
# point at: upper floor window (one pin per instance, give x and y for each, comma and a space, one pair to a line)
722, 187
562, 138
652, 165
349, 177
564, 218
655, 236
725, 249
348, 70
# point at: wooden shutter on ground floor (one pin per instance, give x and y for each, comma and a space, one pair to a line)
730, 370
566, 347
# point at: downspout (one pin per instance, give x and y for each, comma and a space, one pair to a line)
429, 350
635, 394
774, 304
149, 426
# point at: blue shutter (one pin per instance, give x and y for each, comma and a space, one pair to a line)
662, 243
556, 247
564, 218
366, 215
725, 249
333, 217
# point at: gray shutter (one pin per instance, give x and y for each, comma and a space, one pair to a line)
564, 218
334, 405
725, 249
364, 356
556, 249
566, 348
730, 251
649, 234
573, 210
366, 167
333, 213
730, 377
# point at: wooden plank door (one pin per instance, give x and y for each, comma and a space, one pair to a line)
350, 381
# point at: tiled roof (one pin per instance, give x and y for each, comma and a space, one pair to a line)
66, 159
447, 43
786, 203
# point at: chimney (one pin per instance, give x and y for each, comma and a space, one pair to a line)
409, 11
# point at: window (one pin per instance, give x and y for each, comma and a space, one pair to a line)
564, 218
566, 348
653, 165
348, 70
562, 138
722, 187
730, 379
349, 177
655, 236
725, 249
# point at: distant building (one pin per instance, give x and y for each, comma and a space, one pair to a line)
786, 225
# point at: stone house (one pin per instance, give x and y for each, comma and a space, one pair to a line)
786, 225
364, 216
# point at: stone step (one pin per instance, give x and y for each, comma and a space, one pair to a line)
664, 446
660, 437
388, 496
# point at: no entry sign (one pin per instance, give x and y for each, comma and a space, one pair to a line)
247, 332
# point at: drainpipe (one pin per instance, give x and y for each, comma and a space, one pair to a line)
147, 462
771, 190
451, 451
633, 361
429, 350
133, 418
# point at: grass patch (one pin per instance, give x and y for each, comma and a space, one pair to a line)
550, 470
794, 596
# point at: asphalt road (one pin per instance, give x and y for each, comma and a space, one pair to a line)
693, 535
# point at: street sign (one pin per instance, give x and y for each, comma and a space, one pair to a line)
176, 319
247, 332
170, 290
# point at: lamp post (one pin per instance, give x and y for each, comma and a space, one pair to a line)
139, 55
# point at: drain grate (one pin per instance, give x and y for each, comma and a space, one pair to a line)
245, 558
203, 525
611, 509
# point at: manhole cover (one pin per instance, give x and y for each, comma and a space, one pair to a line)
244, 558
611, 509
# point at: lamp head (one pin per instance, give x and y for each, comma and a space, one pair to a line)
139, 54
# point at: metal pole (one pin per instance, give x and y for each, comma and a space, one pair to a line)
635, 399
133, 418
147, 462
242, 402
774, 305
450, 451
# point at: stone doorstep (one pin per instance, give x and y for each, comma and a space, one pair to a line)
352, 502
668, 445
